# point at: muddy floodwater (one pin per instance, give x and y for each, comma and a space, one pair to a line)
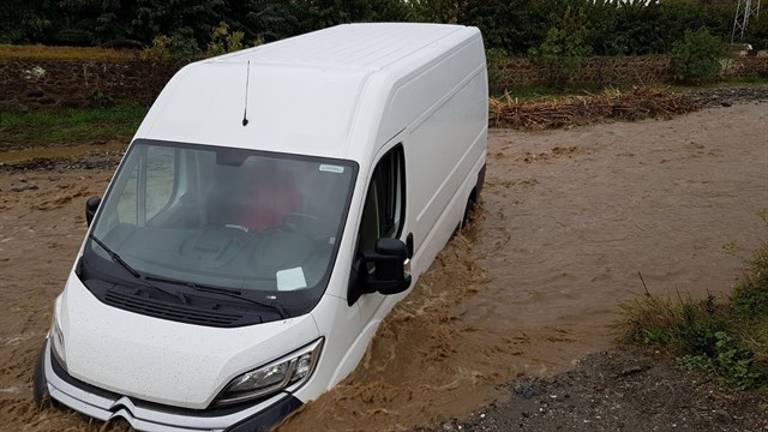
567, 221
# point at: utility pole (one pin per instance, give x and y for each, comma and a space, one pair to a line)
745, 9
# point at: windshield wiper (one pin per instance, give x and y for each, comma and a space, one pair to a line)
225, 292
116, 258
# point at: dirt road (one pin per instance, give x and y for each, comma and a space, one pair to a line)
568, 219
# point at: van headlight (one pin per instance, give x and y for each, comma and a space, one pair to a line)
57, 343
291, 370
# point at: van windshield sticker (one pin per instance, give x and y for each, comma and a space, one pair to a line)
332, 168
291, 279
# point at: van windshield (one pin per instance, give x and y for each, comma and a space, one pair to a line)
224, 217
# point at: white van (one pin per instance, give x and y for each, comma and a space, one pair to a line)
273, 206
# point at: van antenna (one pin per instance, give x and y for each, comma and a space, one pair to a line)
245, 104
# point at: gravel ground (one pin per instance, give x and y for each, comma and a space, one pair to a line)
620, 391
727, 96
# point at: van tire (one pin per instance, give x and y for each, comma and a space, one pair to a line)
39, 386
469, 209
474, 196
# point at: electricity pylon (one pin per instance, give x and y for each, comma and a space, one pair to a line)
745, 9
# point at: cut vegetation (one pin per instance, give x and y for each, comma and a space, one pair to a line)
632, 104
727, 338
613, 104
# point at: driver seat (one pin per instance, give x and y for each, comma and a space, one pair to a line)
274, 196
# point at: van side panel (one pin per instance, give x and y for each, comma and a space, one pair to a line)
422, 92
444, 109
443, 149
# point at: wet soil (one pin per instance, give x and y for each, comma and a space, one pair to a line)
567, 220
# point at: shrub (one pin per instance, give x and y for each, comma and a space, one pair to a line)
178, 47
497, 60
696, 57
159, 50
222, 41
563, 52
757, 33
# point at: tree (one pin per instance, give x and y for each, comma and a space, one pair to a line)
757, 34
516, 25
564, 50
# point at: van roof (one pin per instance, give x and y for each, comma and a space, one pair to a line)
304, 94
367, 46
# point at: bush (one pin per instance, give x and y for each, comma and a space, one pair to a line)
496, 60
182, 47
563, 52
178, 47
696, 57
757, 33
222, 41
159, 50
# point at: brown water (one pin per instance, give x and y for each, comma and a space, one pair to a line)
568, 219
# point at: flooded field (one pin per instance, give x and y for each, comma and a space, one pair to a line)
567, 221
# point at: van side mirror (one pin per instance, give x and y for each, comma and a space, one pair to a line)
391, 267
91, 205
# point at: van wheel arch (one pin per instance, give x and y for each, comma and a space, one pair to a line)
474, 196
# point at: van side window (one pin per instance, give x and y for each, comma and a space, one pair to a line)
161, 178
149, 187
127, 206
384, 209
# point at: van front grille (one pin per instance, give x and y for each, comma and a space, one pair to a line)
171, 311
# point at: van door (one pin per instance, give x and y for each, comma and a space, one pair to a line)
383, 217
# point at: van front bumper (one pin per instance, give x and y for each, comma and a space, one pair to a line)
150, 417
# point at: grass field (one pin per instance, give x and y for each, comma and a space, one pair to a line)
68, 126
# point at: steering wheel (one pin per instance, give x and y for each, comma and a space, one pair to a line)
297, 222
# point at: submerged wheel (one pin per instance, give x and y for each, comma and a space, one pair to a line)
39, 385
473, 197
469, 208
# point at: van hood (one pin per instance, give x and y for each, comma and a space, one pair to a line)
163, 361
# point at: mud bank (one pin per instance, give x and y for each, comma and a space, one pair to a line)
567, 220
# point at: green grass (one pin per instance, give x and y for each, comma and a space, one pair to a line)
68, 126
727, 338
